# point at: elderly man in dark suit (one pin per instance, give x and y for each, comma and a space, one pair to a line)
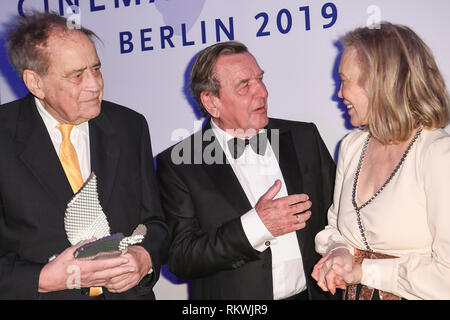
245, 196
51, 140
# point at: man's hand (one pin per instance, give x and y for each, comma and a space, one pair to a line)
55, 275
282, 215
139, 263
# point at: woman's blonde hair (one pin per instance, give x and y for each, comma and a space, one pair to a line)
405, 87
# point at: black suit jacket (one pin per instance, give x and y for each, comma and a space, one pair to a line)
34, 192
203, 204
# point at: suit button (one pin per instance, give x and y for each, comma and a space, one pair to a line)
267, 243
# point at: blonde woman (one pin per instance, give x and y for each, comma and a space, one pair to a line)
388, 235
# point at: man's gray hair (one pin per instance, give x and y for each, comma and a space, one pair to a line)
27, 40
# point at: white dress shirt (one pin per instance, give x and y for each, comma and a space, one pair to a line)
79, 137
257, 174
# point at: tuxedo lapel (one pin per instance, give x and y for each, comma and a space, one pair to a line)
36, 150
104, 155
287, 158
223, 176
290, 166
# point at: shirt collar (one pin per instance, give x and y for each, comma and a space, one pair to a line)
221, 135
51, 123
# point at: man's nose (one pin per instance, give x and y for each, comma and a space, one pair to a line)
93, 80
261, 89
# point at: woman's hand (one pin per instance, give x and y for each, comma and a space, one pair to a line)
351, 275
324, 272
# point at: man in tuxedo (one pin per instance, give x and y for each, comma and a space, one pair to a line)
245, 196
51, 140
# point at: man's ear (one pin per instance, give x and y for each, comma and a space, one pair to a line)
33, 82
210, 102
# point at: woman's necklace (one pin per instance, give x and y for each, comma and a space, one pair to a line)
355, 182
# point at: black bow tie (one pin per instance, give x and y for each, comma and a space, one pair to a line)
258, 143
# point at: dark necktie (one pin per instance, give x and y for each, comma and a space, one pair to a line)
258, 143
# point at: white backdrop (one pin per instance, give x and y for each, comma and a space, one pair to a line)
148, 46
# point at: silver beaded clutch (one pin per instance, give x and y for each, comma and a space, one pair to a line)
85, 219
